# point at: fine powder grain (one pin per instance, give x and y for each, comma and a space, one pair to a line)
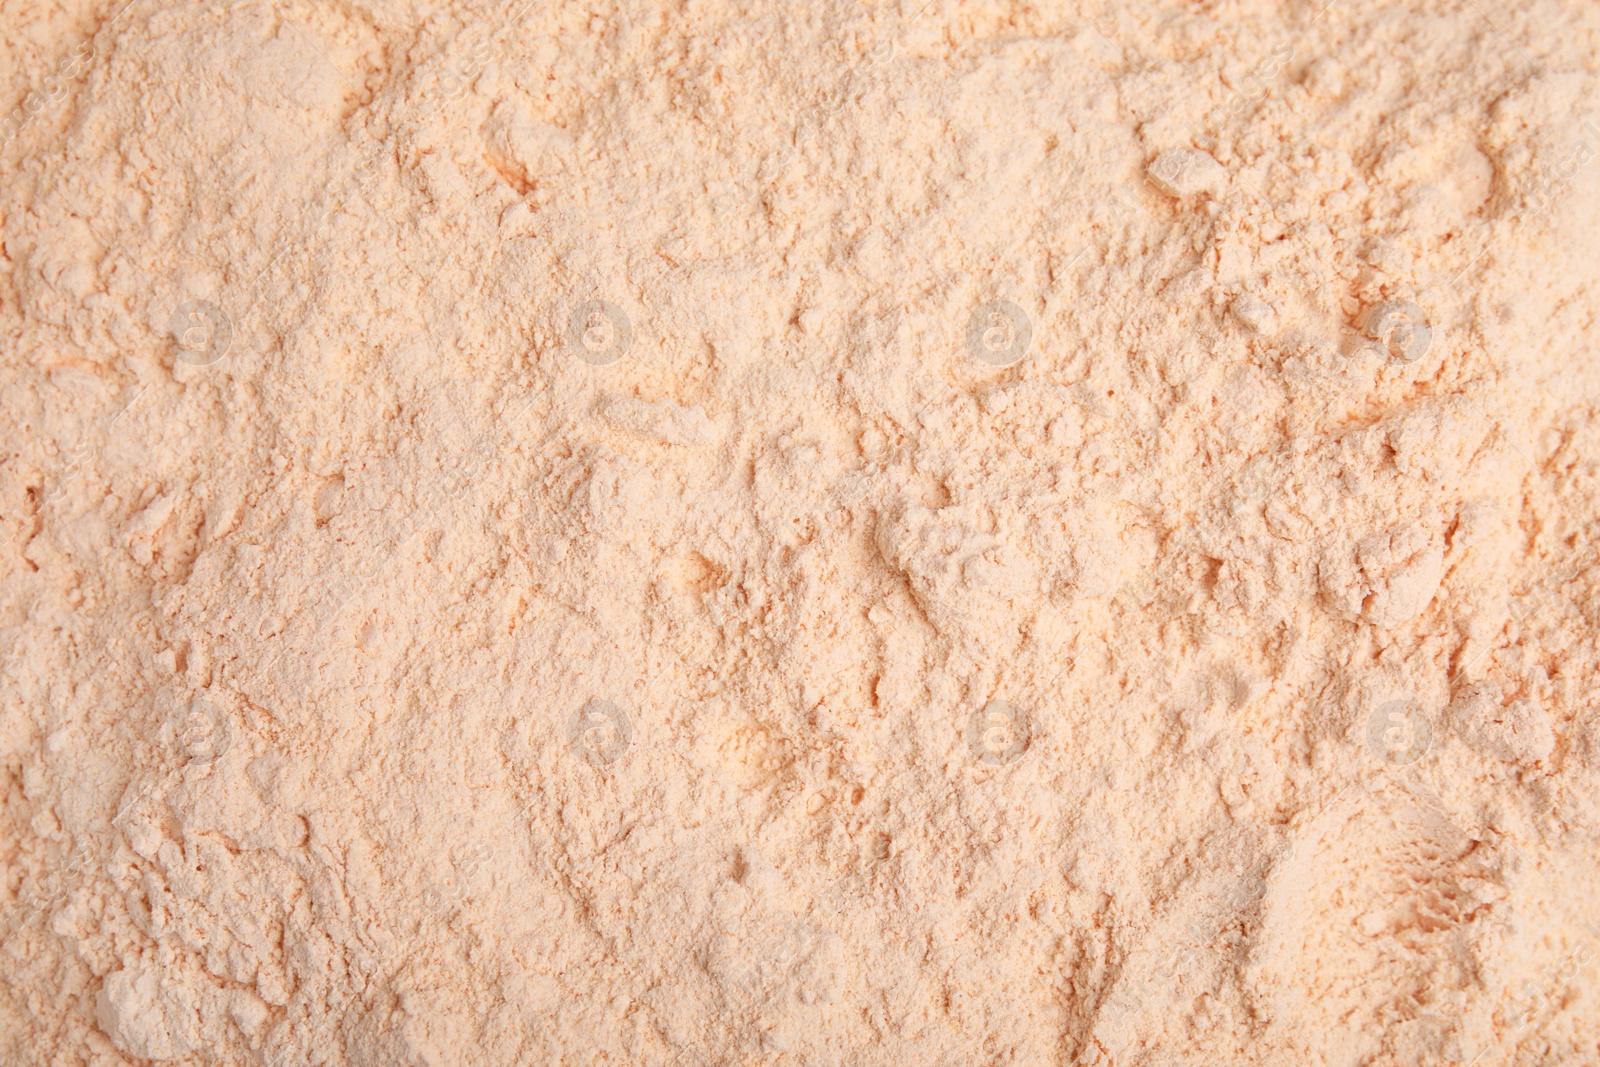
815, 534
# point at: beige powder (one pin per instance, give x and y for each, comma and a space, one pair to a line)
830, 535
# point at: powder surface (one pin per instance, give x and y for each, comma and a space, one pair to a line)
826, 534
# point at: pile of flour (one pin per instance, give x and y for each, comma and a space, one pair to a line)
830, 534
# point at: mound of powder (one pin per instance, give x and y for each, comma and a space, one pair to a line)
823, 534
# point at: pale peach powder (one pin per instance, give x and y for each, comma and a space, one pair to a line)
823, 534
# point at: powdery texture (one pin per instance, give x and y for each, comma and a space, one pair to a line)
395, 675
